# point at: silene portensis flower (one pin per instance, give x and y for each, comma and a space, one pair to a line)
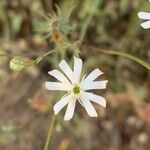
77, 90
145, 16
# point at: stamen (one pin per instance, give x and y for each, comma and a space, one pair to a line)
76, 89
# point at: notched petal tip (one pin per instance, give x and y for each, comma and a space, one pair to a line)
140, 15
62, 62
67, 119
145, 25
99, 71
93, 115
78, 61
55, 110
46, 85
144, 15
77, 58
104, 104
50, 72
96, 99
106, 82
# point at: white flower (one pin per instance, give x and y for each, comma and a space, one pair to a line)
145, 16
76, 89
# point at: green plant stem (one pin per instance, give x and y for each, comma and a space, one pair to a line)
50, 131
129, 56
123, 54
41, 57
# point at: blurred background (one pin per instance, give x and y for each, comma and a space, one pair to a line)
95, 27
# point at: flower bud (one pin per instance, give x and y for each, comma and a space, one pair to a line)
19, 63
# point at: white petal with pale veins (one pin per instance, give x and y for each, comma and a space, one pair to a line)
70, 109
59, 76
144, 15
61, 103
146, 25
67, 70
88, 106
96, 98
92, 76
94, 85
56, 86
77, 69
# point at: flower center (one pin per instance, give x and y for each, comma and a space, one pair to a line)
76, 89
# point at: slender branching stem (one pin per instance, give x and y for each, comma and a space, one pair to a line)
50, 131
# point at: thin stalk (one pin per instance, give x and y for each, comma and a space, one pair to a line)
123, 54
50, 131
41, 57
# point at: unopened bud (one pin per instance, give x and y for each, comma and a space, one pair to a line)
19, 63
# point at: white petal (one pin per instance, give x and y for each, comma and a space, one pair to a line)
59, 76
94, 85
80, 102
56, 86
70, 109
77, 69
67, 70
96, 98
146, 24
144, 15
88, 106
92, 76
61, 103
83, 78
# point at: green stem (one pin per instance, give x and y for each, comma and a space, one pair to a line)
50, 131
41, 57
129, 56
123, 54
